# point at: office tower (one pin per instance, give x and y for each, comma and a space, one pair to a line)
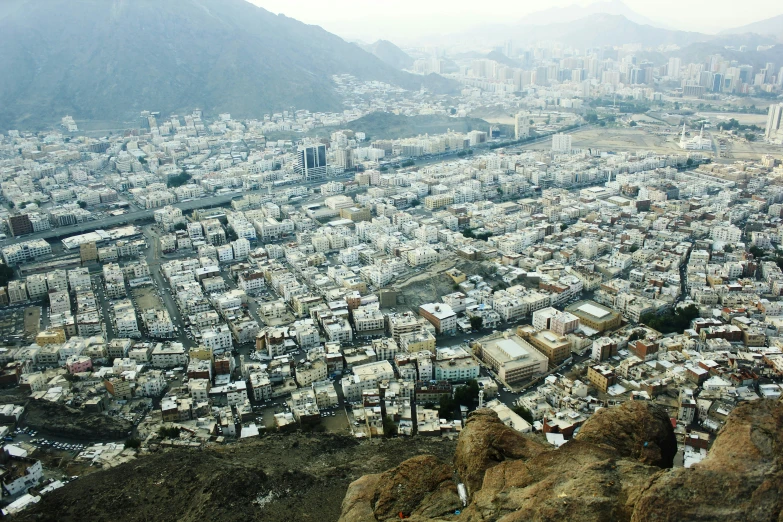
773, 130
673, 70
521, 126
561, 143
311, 161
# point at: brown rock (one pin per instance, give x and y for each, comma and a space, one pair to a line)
486, 442
741, 479
636, 430
402, 489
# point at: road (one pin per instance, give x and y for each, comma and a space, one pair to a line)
142, 215
163, 288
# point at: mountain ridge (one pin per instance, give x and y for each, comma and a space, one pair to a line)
96, 59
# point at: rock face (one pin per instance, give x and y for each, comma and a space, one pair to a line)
638, 431
614, 470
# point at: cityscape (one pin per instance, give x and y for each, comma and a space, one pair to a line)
504, 281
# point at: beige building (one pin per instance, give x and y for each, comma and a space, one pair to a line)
511, 357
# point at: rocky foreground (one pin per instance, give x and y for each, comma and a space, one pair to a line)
616, 469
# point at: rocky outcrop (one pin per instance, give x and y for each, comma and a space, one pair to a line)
638, 431
615, 469
486, 442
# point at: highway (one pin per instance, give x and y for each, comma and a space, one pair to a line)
216, 201
141, 215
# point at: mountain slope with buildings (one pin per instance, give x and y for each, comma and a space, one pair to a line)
110, 59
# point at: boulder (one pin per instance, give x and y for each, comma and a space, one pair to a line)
486, 442
635, 430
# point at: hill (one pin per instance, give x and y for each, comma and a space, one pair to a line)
390, 54
110, 59
279, 478
593, 30
575, 12
618, 467
386, 125
770, 27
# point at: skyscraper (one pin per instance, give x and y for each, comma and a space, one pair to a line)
521, 126
311, 161
773, 130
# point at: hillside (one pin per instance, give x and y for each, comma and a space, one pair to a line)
386, 125
616, 468
390, 54
279, 478
770, 26
593, 30
110, 59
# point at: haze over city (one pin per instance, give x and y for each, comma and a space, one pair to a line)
366, 262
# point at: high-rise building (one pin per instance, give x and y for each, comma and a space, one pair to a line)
561, 143
521, 126
673, 70
774, 129
311, 161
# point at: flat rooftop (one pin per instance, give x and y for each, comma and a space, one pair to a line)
593, 310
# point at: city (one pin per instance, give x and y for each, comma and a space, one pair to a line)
568, 234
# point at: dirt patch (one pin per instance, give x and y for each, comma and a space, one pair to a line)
61, 421
278, 478
32, 321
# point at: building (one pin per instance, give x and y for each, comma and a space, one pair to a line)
521, 126
88, 252
774, 128
595, 316
170, 356
556, 348
441, 316
511, 357
311, 161
365, 377
561, 143
602, 377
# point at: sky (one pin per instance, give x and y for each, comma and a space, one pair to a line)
411, 21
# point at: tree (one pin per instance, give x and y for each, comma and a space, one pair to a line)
563, 226
231, 235
452, 111
133, 443
467, 394
632, 124
689, 162
415, 203
178, 180
384, 168
6, 274
524, 413
11, 204
750, 136
728, 249
756, 252
389, 427
169, 433
446, 406
82, 204
671, 321
476, 322
180, 226
676, 106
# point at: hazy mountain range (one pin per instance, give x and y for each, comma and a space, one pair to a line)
110, 59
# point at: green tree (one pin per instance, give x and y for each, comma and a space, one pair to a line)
632, 124
524, 413
133, 443
415, 203
728, 248
756, 252
180, 226
750, 136
82, 204
671, 321
171, 432
689, 162
178, 180
389, 427
446, 407
6, 274
467, 394
11, 204
563, 227
476, 322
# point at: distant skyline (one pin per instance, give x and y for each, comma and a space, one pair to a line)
409, 21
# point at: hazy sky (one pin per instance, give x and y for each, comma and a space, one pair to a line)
406, 21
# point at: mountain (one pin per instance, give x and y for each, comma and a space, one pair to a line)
110, 59
390, 54
771, 27
595, 30
571, 13
617, 467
